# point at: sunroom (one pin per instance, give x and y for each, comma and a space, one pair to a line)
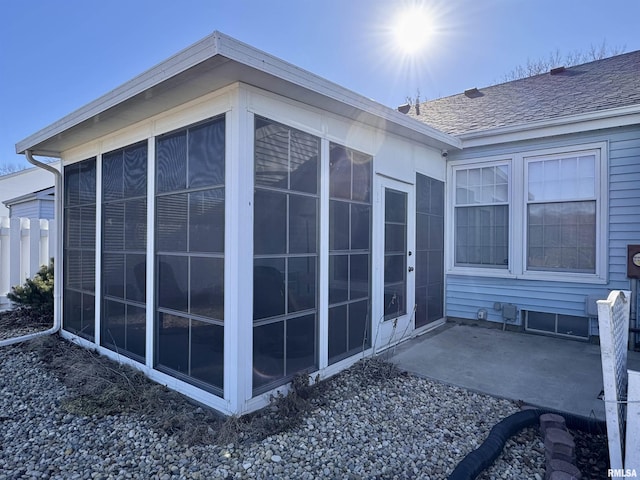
229, 220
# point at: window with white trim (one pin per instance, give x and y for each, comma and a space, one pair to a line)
561, 213
538, 215
481, 216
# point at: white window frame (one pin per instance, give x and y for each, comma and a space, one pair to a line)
518, 191
450, 257
599, 150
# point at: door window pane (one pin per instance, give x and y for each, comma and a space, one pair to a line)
395, 257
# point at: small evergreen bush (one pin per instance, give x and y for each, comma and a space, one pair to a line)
37, 293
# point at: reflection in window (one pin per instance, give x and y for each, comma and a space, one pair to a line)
124, 244
285, 270
189, 244
79, 248
350, 175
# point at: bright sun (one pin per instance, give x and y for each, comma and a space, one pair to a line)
411, 29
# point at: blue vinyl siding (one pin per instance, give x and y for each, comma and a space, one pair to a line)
466, 294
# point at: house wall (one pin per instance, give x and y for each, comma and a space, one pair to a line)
36, 208
23, 182
394, 157
466, 294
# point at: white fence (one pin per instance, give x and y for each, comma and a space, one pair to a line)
621, 386
25, 245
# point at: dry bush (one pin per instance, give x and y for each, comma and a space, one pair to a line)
99, 386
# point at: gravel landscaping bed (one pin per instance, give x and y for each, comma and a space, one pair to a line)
368, 422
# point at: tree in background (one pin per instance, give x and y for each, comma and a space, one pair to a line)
8, 168
556, 59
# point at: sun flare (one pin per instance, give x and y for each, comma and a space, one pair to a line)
411, 30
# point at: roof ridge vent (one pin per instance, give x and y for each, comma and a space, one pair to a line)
557, 70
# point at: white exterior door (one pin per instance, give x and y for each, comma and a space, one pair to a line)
394, 279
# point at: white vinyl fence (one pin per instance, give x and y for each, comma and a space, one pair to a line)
25, 245
621, 386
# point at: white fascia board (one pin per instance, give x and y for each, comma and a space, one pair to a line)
229, 49
618, 117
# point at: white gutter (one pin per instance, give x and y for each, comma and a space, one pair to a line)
57, 323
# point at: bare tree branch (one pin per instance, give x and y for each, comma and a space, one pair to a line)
556, 59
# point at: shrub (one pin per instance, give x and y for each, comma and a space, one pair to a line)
37, 292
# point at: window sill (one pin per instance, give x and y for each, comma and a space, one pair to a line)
564, 277
533, 276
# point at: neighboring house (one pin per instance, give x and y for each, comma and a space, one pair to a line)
231, 220
544, 197
15, 185
38, 204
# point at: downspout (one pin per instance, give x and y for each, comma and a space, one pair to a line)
57, 323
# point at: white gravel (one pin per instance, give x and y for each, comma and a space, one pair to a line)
404, 427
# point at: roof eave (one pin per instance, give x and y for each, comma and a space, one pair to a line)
218, 49
610, 118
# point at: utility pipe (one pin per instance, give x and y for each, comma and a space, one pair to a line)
56, 266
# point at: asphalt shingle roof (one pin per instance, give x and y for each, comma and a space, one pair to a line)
600, 85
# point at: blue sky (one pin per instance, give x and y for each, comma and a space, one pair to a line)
56, 56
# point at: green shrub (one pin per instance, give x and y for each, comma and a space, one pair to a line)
37, 292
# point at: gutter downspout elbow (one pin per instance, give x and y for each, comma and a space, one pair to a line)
57, 321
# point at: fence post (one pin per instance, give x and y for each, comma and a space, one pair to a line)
15, 239
34, 246
613, 323
632, 448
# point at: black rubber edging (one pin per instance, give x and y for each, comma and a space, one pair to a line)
481, 458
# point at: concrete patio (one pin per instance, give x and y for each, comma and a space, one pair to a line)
555, 373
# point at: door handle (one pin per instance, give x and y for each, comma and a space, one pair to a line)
411, 269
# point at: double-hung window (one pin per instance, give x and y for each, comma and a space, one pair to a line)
481, 216
537, 215
561, 212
